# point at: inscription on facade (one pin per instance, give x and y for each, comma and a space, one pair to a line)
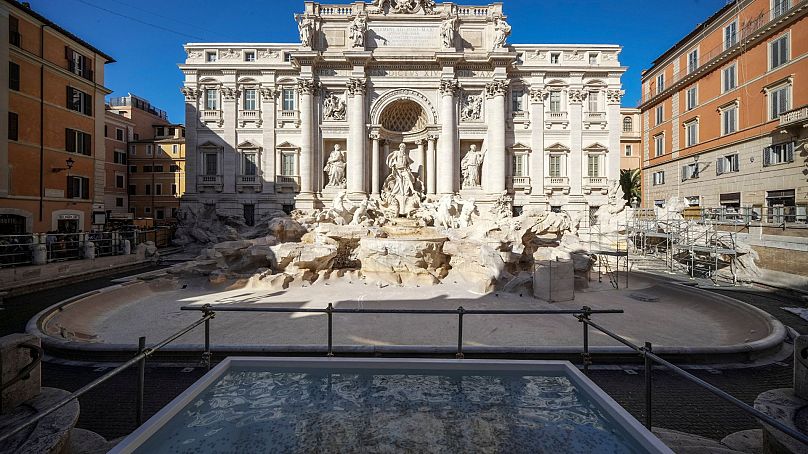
419, 37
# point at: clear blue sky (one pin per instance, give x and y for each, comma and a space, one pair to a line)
147, 56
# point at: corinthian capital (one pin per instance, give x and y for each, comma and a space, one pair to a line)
268, 93
449, 87
307, 86
230, 93
538, 95
577, 96
614, 96
190, 93
497, 88
356, 86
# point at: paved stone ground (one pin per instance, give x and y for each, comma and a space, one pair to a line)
678, 404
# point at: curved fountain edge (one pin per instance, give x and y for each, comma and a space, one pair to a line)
768, 348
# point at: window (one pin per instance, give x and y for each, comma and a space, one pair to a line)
729, 79
159, 131
13, 76
149, 150
119, 181
79, 101
778, 154
555, 165
147, 210
730, 35
555, 101
287, 164
119, 157
779, 7
147, 169
78, 187
692, 133
132, 189
249, 99
288, 99
173, 188
249, 55
211, 56
693, 200
249, 166
78, 142
118, 202
659, 145
779, 101
119, 134
658, 178
692, 60
516, 100
211, 164
555, 58
174, 168
628, 124
729, 119
132, 169
690, 171
778, 52
158, 189
727, 164
692, 95
628, 150
14, 31
132, 150
287, 57
660, 114
660, 83
593, 101
593, 58
78, 64
158, 168
593, 165
520, 165
148, 189
211, 99
160, 214
13, 126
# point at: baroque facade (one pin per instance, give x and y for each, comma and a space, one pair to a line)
370, 88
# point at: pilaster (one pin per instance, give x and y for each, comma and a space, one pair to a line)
192, 167
447, 164
357, 141
230, 157
268, 94
537, 97
306, 89
575, 166
495, 158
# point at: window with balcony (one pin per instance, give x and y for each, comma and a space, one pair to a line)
78, 187
729, 119
660, 83
211, 161
690, 171
691, 133
211, 99
731, 35
78, 142
779, 100
555, 101
692, 61
249, 164
79, 101
780, 153
691, 98
658, 178
628, 124
659, 145
660, 114
778, 52
779, 7
729, 78
288, 99
520, 165
13, 126
727, 164
555, 168
593, 165
288, 167
13, 76
593, 101
250, 99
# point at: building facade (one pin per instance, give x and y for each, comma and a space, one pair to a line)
291, 125
155, 160
630, 139
52, 152
118, 131
724, 110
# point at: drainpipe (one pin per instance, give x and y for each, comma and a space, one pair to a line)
42, 124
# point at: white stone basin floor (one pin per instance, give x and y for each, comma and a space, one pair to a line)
682, 317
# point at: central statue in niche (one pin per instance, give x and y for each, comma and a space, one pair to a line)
402, 191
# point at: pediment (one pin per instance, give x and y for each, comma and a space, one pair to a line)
597, 147
209, 144
249, 145
519, 146
287, 146
558, 147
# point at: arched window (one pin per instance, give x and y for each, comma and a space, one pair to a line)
628, 124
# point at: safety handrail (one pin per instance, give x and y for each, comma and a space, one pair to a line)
25, 373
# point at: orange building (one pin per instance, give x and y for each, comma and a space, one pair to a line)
118, 131
52, 174
723, 112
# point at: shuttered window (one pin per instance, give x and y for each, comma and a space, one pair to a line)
79, 101
78, 64
13, 76
13, 126
78, 187
779, 52
78, 142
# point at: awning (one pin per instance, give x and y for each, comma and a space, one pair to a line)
732, 197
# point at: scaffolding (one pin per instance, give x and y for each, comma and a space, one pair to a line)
610, 250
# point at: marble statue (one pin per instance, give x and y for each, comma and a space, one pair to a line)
405, 6
334, 107
502, 30
335, 169
444, 216
467, 209
447, 31
472, 108
357, 31
305, 26
402, 177
503, 207
470, 167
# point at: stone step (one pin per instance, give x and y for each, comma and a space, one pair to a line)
87, 442
50, 435
749, 441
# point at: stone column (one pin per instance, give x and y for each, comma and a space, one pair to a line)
306, 88
422, 157
268, 171
495, 158
356, 149
537, 97
430, 165
446, 165
576, 161
375, 184
615, 125
193, 161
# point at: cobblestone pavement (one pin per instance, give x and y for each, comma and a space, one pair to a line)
678, 404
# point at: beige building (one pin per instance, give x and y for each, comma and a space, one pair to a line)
630, 139
118, 131
157, 174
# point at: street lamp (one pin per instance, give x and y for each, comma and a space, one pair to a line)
68, 162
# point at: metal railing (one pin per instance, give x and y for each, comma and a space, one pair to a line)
16, 250
583, 315
36, 353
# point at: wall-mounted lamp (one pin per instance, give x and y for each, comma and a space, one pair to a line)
68, 162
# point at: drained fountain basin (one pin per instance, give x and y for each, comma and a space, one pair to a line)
379, 405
